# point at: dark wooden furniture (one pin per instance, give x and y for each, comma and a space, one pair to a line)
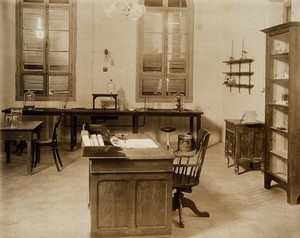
282, 162
193, 115
24, 131
244, 142
186, 174
51, 144
240, 73
130, 191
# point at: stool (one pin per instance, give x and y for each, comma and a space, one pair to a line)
168, 129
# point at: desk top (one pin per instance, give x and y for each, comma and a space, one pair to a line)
111, 152
23, 126
239, 122
90, 111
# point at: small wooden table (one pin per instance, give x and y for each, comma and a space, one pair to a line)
244, 141
130, 191
25, 131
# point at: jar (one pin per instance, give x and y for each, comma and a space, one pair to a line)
185, 142
29, 100
178, 101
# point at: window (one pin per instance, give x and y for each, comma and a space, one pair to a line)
166, 47
45, 49
287, 11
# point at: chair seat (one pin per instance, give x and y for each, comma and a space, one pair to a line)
168, 129
185, 153
43, 142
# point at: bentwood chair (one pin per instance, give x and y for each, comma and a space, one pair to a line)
186, 174
51, 144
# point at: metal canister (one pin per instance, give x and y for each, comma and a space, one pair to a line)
185, 142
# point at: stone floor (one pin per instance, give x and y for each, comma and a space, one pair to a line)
52, 204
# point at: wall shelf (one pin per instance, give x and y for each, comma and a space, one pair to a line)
239, 76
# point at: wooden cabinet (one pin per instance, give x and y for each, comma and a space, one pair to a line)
239, 74
130, 191
282, 163
243, 142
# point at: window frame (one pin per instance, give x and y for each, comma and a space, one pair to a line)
164, 74
46, 73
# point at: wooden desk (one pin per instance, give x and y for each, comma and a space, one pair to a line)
24, 131
244, 141
74, 113
130, 191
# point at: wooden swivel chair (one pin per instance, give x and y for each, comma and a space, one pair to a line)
186, 173
51, 144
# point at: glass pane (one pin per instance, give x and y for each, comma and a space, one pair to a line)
153, 43
177, 22
280, 44
152, 62
176, 3
59, 61
176, 64
152, 86
59, 41
33, 18
153, 3
33, 29
33, 40
33, 60
175, 86
34, 83
176, 44
58, 19
153, 22
34, 1
58, 85
59, 1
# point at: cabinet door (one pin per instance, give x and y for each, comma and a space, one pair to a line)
131, 204
278, 104
251, 144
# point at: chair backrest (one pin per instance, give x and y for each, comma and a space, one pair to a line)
56, 125
187, 169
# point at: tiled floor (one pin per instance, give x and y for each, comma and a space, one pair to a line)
52, 204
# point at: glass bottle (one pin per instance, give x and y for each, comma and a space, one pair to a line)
111, 87
29, 100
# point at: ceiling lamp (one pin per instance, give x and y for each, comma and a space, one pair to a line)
131, 8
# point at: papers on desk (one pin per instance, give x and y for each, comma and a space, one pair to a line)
137, 143
93, 140
97, 140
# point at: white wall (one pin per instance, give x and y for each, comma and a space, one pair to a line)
217, 23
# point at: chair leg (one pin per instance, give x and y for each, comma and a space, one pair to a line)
33, 156
7, 150
55, 159
190, 204
180, 213
179, 202
58, 157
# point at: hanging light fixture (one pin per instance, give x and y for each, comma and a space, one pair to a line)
131, 8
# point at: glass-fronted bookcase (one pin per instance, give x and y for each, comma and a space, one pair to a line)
282, 155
